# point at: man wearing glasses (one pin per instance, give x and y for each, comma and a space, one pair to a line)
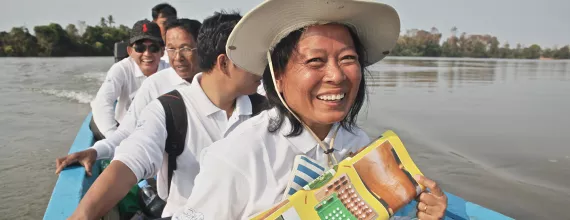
181, 37
126, 76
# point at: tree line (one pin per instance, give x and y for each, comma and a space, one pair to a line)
84, 40
54, 41
424, 43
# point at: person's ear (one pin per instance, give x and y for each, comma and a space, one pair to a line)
223, 64
278, 85
129, 50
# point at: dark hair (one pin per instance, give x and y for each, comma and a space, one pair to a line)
280, 56
165, 9
213, 36
190, 26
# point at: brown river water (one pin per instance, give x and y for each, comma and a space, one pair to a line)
495, 132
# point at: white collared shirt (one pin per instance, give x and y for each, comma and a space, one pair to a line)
261, 89
247, 172
165, 57
121, 84
154, 86
143, 151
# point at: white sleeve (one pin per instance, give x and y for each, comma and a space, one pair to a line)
104, 103
220, 192
142, 98
143, 150
106, 148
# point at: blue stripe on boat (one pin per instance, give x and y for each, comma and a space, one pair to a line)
307, 171
300, 181
72, 184
313, 163
292, 191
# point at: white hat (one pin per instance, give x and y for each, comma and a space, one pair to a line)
377, 26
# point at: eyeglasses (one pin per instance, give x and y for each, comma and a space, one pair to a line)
183, 51
141, 48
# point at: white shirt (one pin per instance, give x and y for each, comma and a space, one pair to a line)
143, 151
247, 172
121, 84
261, 89
165, 57
154, 86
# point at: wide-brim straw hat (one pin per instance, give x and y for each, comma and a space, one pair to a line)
376, 24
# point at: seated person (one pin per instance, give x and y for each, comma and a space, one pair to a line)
181, 37
161, 13
216, 102
313, 64
125, 77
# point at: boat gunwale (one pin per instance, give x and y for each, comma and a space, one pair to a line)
67, 194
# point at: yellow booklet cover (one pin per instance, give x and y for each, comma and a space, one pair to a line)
372, 184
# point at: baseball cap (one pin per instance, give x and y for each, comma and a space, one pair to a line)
145, 29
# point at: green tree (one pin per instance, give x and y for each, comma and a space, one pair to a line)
494, 48
562, 53
103, 22
54, 41
110, 20
547, 53
21, 43
72, 31
532, 52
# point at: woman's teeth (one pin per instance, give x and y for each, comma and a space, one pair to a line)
331, 97
147, 61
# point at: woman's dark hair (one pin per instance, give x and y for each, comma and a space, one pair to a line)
189, 25
280, 56
164, 9
213, 36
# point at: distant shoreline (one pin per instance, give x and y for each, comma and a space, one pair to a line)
93, 41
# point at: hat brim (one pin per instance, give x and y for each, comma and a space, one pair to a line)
146, 37
377, 26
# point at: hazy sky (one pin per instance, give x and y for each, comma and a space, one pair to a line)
546, 22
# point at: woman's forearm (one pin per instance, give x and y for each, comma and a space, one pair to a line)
109, 188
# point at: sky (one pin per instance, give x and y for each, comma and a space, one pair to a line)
545, 23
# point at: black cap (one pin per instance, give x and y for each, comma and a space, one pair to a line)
145, 29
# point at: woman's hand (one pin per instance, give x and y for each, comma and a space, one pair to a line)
431, 205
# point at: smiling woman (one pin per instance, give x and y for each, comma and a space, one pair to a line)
312, 55
321, 65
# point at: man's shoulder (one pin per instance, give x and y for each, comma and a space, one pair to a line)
160, 75
249, 136
126, 63
120, 68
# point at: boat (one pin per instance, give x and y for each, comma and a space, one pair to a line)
72, 183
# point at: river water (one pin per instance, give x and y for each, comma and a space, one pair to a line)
495, 132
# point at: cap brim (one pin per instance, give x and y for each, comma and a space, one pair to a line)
147, 37
377, 26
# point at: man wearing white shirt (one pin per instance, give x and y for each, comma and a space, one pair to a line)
126, 76
216, 103
181, 44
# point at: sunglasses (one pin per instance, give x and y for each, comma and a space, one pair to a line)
141, 48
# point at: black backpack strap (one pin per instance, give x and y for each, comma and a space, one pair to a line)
176, 127
258, 103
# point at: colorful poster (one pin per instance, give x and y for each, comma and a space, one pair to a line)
373, 183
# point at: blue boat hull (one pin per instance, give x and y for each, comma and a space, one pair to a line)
72, 184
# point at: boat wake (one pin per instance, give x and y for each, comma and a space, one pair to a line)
98, 76
81, 97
